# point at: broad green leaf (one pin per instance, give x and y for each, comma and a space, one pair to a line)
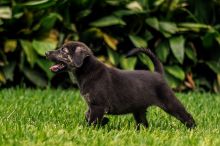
35, 77
172, 81
174, 4
34, 3
9, 71
48, 21
134, 6
138, 41
10, 45
39, 4
177, 47
5, 13
42, 46
83, 13
147, 61
162, 50
29, 51
110, 41
158, 2
121, 13
214, 66
153, 22
113, 57
194, 26
166, 34
45, 65
168, 28
108, 21
175, 71
183, 29
70, 26
191, 54
148, 35
128, 63
18, 15
93, 33
113, 2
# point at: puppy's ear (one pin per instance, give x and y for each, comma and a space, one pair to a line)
79, 55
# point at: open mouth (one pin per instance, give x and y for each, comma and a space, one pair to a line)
58, 67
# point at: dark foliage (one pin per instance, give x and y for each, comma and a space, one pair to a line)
184, 34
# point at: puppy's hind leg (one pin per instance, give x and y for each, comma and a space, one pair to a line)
173, 106
140, 118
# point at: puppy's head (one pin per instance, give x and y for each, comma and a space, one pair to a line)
69, 57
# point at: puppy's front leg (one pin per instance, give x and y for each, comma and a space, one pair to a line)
140, 118
95, 115
87, 115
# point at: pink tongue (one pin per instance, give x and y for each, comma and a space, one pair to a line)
55, 67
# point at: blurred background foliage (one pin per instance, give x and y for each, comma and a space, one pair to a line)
184, 34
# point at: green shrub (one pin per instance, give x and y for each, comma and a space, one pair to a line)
184, 34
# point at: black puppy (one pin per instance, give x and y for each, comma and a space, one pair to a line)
113, 91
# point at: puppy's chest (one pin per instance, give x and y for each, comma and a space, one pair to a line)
93, 99
88, 98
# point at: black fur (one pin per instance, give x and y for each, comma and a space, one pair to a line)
114, 91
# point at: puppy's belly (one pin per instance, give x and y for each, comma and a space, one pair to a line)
128, 106
124, 110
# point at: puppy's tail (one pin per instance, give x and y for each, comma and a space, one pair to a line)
158, 67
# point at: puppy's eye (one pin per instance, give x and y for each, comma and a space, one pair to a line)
65, 50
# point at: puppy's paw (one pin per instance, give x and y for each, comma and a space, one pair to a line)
191, 124
104, 121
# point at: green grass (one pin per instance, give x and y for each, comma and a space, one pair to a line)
56, 117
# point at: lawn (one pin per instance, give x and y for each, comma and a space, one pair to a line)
56, 117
